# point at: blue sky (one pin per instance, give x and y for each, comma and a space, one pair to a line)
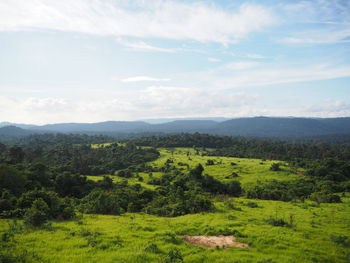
97, 60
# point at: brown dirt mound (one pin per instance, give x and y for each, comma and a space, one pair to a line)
214, 241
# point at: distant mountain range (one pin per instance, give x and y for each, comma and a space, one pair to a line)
255, 126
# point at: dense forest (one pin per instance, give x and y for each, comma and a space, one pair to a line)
252, 147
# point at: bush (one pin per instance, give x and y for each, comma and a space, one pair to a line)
153, 248
101, 202
322, 197
38, 214
171, 238
209, 162
275, 167
252, 205
276, 222
341, 240
173, 256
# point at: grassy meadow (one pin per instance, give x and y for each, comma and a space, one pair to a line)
315, 232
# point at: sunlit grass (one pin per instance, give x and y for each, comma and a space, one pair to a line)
100, 238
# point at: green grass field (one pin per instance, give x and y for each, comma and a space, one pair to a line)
249, 170
316, 233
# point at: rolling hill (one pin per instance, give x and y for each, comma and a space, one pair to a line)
281, 127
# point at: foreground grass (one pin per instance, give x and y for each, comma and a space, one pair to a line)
311, 237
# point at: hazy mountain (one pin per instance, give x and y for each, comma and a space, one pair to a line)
257, 126
165, 120
282, 127
183, 126
107, 126
19, 125
13, 131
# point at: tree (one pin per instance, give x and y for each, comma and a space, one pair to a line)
196, 173
16, 154
38, 214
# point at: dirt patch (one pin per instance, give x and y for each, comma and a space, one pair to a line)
214, 241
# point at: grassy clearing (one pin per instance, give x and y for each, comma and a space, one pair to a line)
249, 170
146, 238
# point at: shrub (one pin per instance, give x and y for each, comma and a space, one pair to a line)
101, 202
252, 204
153, 248
322, 197
38, 214
276, 222
341, 240
173, 256
275, 167
171, 238
209, 162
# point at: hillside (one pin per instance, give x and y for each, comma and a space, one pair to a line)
281, 127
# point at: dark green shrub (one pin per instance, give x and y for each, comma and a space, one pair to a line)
210, 162
101, 202
173, 256
38, 214
171, 238
276, 222
322, 197
275, 167
153, 248
252, 204
341, 240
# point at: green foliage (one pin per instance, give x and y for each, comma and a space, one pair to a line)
173, 256
58, 208
277, 222
341, 240
101, 202
323, 197
281, 190
12, 179
38, 214
252, 205
275, 167
72, 185
153, 248
209, 162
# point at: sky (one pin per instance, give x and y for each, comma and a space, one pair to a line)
99, 60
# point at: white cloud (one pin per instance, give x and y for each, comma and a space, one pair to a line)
244, 74
241, 65
320, 37
329, 21
141, 19
247, 55
142, 46
143, 78
214, 60
154, 101
254, 56
330, 108
159, 102
46, 104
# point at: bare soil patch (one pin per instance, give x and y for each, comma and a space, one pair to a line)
214, 241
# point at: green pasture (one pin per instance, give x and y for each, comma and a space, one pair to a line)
312, 236
249, 170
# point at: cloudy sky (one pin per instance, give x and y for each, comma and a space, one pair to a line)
97, 60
